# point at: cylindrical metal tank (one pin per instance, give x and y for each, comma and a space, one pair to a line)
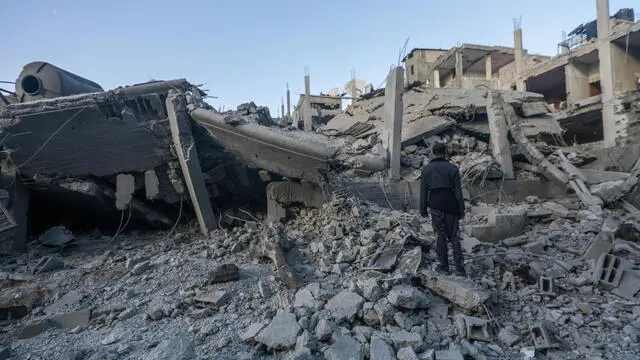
39, 80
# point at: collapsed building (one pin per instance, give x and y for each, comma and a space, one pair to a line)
330, 198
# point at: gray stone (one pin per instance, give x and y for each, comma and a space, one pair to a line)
380, 350
449, 355
407, 353
344, 306
371, 290
141, 268
461, 292
176, 348
5, 353
427, 355
281, 333
325, 328
408, 297
345, 348
56, 236
404, 338
73, 319
251, 332
508, 336
264, 289
369, 236
302, 353
362, 333
304, 298
155, 314
117, 334
385, 311
403, 320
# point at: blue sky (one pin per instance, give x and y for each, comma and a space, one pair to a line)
249, 50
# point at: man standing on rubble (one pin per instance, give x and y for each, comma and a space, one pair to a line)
441, 195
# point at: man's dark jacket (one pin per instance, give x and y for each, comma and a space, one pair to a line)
441, 188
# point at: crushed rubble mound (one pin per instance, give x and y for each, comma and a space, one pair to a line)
564, 285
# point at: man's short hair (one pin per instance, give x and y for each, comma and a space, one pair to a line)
439, 149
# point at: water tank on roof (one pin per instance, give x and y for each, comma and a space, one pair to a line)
40, 80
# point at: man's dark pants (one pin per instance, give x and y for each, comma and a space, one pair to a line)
446, 227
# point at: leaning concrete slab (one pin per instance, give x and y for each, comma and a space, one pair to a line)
499, 134
189, 163
459, 291
392, 135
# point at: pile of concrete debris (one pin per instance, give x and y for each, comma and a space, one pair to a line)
348, 280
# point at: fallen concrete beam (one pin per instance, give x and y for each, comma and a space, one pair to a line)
189, 163
459, 291
499, 131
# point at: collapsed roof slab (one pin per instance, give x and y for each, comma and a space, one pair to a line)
117, 131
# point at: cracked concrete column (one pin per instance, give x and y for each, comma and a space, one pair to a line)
306, 105
436, 78
518, 53
392, 136
459, 68
499, 131
606, 73
185, 148
488, 67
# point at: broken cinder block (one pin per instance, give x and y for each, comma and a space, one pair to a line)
473, 328
541, 337
547, 286
608, 270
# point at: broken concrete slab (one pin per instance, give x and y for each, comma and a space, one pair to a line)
72, 320
380, 350
187, 153
629, 285
281, 333
215, 299
499, 226
344, 306
16, 302
448, 355
345, 348
178, 347
34, 329
56, 236
600, 245
70, 298
461, 292
408, 297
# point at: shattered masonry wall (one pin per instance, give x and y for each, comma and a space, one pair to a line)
627, 119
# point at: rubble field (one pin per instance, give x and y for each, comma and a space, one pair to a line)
365, 290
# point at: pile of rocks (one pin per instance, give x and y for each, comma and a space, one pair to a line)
368, 290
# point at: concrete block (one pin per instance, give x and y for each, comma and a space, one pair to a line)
499, 226
34, 329
215, 299
125, 186
601, 244
473, 328
72, 319
540, 337
608, 269
461, 292
547, 286
151, 184
629, 285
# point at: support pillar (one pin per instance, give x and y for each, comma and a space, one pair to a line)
606, 73
436, 79
518, 53
488, 67
576, 77
185, 148
288, 103
499, 130
392, 136
306, 105
459, 68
